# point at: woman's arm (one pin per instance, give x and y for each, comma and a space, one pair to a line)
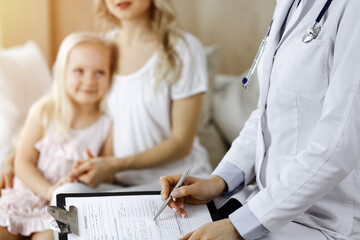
185, 114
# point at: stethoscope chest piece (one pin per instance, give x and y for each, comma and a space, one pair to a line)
314, 31
311, 33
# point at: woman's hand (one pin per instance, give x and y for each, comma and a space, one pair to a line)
222, 229
93, 171
7, 173
194, 190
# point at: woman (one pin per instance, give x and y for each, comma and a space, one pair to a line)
156, 98
302, 142
155, 101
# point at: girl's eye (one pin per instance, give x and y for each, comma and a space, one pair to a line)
78, 71
100, 73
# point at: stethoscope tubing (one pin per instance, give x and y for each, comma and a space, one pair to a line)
246, 80
323, 10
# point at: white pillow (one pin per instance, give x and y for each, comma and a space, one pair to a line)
233, 104
24, 77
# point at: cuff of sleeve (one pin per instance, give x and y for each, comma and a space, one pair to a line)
232, 175
248, 226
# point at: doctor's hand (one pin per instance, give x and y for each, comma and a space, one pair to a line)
222, 229
7, 173
194, 191
93, 171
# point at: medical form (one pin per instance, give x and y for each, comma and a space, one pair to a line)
131, 217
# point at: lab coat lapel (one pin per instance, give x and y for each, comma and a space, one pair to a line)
293, 21
272, 43
270, 49
280, 17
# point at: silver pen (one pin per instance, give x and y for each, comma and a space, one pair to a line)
181, 181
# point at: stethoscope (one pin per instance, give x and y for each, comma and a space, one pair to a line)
312, 33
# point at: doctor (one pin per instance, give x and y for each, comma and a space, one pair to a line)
302, 142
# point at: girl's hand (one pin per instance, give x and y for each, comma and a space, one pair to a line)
194, 191
7, 173
222, 229
93, 171
67, 179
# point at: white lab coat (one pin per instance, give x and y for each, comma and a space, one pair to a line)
307, 123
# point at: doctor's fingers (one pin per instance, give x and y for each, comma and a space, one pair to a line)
188, 236
189, 192
178, 206
167, 184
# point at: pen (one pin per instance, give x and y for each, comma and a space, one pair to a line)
181, 181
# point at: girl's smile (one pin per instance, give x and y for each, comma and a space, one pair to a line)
88, 74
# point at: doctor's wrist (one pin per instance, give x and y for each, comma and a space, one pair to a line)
219, 184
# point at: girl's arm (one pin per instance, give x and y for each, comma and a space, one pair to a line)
185, 115
26, 157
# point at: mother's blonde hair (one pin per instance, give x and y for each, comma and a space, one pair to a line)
163, 23
56, 108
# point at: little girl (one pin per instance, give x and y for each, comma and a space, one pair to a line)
61, 129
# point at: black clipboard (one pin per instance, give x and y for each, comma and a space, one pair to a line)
60, 202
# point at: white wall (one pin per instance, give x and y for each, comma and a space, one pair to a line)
21, 20
237, 26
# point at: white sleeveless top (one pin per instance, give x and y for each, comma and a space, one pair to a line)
142, 116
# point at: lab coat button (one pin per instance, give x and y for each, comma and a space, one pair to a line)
265, 106
265, 154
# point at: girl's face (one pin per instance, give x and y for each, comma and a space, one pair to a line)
128, 9
88, 73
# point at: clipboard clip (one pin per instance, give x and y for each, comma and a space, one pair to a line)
65, 221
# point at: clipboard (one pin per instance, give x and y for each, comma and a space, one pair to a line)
69, 219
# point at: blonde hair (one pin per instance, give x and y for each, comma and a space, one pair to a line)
56, 108
163, 22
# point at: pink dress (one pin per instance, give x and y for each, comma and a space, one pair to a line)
24, 212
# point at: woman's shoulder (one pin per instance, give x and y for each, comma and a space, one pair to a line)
189, 39
190, 45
